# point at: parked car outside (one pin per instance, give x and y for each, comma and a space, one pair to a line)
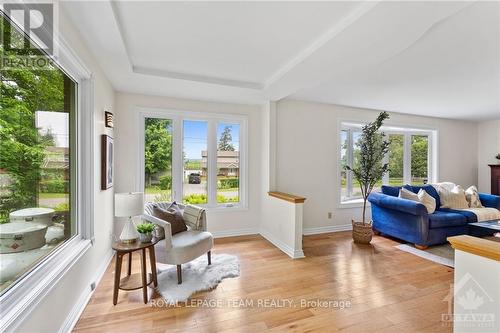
194, 178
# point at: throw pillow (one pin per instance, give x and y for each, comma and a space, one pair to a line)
454, 198
172, 215
422, 197
427, 200
473, 197
407, 194
446, 185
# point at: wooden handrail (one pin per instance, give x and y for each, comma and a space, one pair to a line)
287, 197
478, 246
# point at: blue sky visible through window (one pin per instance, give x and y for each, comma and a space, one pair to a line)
195, 137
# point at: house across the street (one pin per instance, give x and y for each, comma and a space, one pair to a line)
228, 163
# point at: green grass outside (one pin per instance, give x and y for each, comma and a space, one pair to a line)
392, 182
53, 195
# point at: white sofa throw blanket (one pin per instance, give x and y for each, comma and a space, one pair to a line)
485, 214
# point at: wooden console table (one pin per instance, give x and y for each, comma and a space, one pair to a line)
138, 280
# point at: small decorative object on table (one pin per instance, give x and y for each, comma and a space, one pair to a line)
497, 156
145, 232
369, 170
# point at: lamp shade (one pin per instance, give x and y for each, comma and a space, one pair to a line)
129, 204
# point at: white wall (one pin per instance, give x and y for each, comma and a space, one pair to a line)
307, 162
220, 222
74, 286
480, 275
488, 146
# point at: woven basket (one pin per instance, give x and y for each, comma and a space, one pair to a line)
362, 233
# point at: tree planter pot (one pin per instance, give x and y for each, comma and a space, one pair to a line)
146, 238
362, 233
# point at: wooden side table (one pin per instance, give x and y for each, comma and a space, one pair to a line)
138, 280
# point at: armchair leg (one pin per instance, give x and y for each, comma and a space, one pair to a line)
179, 274
421, 247
209, 256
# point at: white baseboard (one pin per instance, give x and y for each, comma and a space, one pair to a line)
76, 311
294, 254
324, 230
235, 232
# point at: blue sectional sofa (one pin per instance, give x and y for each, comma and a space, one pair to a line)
408, 220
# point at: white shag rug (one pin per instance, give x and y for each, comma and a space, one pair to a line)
197, 275
441, 254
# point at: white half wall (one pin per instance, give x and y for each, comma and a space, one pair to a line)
59, 308
488, 146
307, 162
282, 225
221, 222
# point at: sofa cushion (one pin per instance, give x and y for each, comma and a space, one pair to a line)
393, 191
440, 219
470, 217
189, 245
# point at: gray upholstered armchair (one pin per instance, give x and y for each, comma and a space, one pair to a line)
184, 246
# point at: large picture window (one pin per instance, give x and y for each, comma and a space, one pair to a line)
194, 158
409, 158
37, 162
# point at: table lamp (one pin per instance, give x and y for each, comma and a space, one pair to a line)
129, 205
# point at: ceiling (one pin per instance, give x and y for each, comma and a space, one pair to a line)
428, 58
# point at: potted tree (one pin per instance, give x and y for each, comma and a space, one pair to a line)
369, 170
145, 232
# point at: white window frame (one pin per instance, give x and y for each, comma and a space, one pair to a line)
22, 298
212, 119
408, 132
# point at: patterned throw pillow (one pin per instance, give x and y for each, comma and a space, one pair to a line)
454, 198
473, 197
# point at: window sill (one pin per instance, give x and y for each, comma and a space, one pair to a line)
24, 296
221, 209
356, 203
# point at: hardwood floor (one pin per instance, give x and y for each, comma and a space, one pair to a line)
389, 291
